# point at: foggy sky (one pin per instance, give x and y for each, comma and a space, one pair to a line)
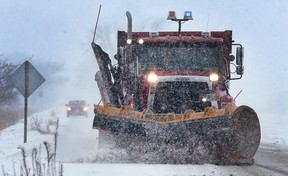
61, 31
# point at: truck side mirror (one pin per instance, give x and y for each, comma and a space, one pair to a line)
240, 70
239, 55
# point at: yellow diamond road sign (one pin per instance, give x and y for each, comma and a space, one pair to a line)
35, 79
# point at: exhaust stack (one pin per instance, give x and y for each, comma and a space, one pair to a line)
129, 27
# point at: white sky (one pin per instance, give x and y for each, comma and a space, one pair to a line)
61, 31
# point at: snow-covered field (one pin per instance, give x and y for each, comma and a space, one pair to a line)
77, 150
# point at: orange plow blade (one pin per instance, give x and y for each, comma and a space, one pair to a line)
229, 136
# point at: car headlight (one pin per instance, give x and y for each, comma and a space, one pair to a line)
85, 109
152, 78
213, 77
69, 109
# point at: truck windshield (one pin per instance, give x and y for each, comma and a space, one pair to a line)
181, 56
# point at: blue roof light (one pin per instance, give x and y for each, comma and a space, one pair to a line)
188, 15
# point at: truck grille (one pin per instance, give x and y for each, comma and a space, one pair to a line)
177, 97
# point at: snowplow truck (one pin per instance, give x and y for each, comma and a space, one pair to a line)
167, 99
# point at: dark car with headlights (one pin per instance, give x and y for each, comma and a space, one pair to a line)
77, 108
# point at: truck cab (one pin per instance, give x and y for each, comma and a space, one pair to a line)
172, 72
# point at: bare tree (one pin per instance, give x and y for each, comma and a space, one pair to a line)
8, 95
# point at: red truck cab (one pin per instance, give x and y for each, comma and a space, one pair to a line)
173, 72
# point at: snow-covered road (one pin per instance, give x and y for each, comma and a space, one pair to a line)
170, 170
78, 150
77, 140
268, 161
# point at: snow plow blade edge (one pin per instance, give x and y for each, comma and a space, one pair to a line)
229, 136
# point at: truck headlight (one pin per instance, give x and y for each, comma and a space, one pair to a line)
213, 77
152, 78
85, 109
69, 109
204, 99
140, 41
129, 41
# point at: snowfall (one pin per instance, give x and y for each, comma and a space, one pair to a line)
77, 151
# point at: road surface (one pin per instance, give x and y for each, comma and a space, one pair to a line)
79, 153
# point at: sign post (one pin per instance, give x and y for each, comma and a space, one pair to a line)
26, 79
26, 99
